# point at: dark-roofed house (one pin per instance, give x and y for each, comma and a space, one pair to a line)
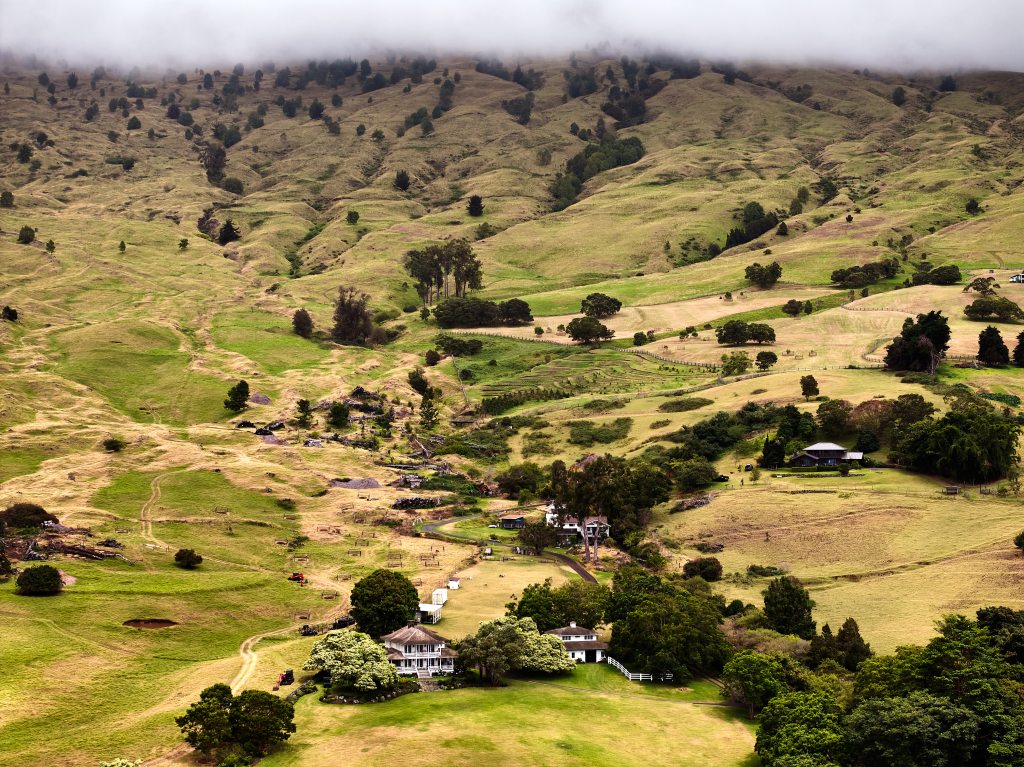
512, 521
581, 644
417, 651
825, 454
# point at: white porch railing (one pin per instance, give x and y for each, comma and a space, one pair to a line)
636, 677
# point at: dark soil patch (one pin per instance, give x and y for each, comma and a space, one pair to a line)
149, 623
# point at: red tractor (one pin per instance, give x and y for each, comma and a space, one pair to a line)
297, 577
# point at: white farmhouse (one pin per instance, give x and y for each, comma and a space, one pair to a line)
417, 651
581, 643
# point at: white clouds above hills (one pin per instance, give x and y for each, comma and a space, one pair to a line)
882, 34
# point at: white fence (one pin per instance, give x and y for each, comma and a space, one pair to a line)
636, 677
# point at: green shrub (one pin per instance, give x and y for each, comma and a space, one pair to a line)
587, 433
39, 581
114, 444
684, 404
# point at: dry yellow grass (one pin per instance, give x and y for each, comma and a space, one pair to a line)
667, 317
886, 548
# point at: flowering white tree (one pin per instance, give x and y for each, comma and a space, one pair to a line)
353, 661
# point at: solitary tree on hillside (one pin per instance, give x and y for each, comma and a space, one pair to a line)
808, 386
972, 207
183, 243
337, 415
6, 199
383, 601
763, 276
302, 323
587, 330
600, 305
353, 323
39, 581
352, 217
316, 110
304, 414
247, 726
476, 205
121, 246
188, 559
26, 235
899, 96
228, 233
991, 349
238, 396
402, 180
765, 360
787, 606
51, 246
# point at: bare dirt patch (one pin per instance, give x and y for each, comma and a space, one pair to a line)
149, 623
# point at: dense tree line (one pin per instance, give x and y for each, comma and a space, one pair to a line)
954, 701
474, 312
972, 442
623, 491
862, 275
921, 344
610, 153
940, 275
754, 222
552, 607
660, 626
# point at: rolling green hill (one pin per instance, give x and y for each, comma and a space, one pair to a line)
142, 343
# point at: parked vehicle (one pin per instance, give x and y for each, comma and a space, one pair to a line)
343, 622
286, 677
1017, 278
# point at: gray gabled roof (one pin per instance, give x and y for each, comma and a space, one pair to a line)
413, 635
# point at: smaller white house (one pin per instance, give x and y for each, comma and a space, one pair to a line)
581, 643
439, 597
418, 651
453, 583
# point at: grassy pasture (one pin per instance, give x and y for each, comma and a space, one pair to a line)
526, 722
115, 690
866, 546
141, 369
267, 339
488, 585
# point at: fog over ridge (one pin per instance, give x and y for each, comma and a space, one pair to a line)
882, 34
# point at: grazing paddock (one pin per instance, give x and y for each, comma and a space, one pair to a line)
668, 317
886, 533
488, 585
